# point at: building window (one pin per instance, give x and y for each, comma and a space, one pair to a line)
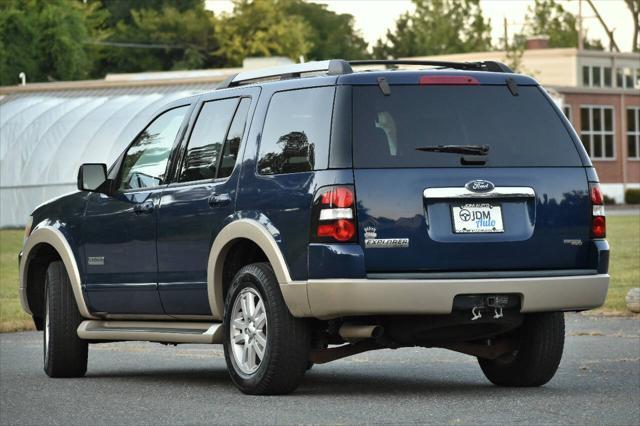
628, 78
586, 80
633, 132
566, 109
606, 73
624, 78
597, 132
597, 76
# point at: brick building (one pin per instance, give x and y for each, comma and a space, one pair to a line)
600, 93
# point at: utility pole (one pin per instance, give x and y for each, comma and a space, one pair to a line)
580, 40
506, 34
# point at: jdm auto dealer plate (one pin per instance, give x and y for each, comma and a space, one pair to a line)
477, 218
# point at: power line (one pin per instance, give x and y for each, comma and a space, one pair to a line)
135, 45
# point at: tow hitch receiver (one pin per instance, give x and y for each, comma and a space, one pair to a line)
481, 304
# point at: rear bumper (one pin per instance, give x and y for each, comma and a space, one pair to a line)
331, 298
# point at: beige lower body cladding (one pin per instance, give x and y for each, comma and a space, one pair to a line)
337, 298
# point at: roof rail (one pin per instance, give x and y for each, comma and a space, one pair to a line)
331, 67
340, 66
493, 66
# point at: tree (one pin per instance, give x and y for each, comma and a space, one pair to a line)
437, 27
159, 37
634, 8
330, 35
45, 40
261, 28
123, 11
549, 18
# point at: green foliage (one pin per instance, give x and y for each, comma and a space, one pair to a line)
632, 196
437, 27
608, 201
549, 18
261, 28
45, 40
70, 39
161, 39
330, 35
123, 10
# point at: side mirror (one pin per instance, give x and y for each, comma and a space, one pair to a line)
93, 177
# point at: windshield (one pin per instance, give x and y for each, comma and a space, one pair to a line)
398, 130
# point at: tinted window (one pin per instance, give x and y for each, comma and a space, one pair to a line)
207, 138
296, 131
522, 130
234, 137
145, 162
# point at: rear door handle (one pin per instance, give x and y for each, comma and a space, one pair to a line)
219, 200
146, 207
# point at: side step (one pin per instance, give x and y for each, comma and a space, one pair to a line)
151, 331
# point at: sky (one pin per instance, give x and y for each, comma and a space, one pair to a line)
374, 17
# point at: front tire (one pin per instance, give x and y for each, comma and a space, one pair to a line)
538, 356
265, 347
65, 354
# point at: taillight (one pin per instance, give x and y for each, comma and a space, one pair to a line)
596, 194
598, 220
333, 216
338, 197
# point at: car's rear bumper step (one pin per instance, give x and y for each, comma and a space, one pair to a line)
333, 298
153, 331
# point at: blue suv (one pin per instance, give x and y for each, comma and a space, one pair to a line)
306, 213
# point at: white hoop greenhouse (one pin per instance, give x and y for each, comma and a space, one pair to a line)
46, 134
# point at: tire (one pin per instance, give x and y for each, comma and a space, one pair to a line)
283, 340
65, 354
536, 360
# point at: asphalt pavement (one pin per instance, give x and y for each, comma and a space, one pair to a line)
144, 383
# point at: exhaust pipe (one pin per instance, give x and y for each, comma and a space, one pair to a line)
351, 332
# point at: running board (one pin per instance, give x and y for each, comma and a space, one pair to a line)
151, 331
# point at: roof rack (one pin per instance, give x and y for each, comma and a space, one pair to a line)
330, 67
340, 67
492, 66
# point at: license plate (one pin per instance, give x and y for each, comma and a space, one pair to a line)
477, 218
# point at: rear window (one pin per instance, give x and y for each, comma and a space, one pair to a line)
521, 130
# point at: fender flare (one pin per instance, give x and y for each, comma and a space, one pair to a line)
53, 237
294, 292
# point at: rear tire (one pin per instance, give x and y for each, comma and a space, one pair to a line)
536, 360
281, 339
65, 354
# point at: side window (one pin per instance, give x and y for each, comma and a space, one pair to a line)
206, 141
296, 132
232, 144
145, 162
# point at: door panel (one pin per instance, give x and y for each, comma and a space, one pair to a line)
187, 225
119, 230
120, 254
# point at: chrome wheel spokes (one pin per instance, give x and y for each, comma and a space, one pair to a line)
248, 330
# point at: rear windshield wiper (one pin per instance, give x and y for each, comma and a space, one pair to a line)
457, 149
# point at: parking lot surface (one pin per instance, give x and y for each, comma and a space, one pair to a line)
144, 383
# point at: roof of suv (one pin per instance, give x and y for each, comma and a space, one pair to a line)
413, 76
489, 72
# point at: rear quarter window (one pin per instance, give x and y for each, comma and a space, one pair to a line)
296, 132
521, 131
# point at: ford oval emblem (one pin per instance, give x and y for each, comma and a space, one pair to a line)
480, 185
